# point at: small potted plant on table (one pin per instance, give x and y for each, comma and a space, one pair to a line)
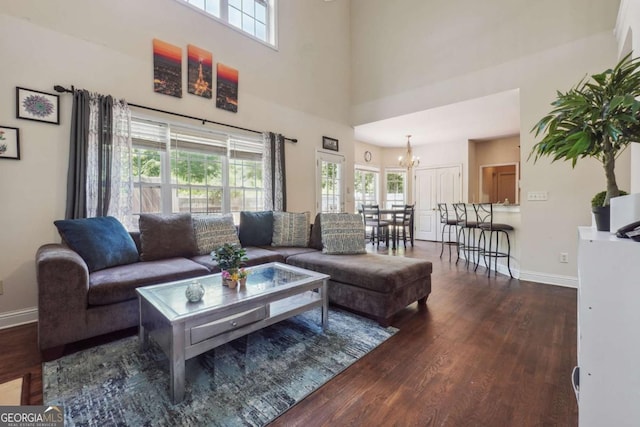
230, 259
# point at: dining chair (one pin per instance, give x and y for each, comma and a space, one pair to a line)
403, 221
379, 227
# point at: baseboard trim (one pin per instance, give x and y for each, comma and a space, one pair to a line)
550, 279
18, 317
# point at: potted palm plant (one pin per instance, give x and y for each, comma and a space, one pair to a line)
597, 118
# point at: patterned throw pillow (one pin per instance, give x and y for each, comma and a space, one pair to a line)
214, 231
342, 233
290, 229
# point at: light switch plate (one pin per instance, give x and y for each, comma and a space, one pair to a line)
537, 196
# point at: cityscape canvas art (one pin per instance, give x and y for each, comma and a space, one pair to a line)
199, 72
167, 68
227, 88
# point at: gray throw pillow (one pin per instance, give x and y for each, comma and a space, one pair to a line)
256, 228
290, 229
342, 233
211, 232
166, 236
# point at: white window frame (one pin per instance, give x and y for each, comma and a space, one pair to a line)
387, 171
323, 156
168, 187
271, 21
375, 170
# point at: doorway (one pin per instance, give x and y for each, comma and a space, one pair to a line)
433, 186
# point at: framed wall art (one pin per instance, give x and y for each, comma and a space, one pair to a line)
227, 88
167, 68
37, 106
329, 143
9, 143
199, 71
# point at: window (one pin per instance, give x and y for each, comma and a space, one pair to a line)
330, 182
396, 187
182, 169
254, 17
365, 187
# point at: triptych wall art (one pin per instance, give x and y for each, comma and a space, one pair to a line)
167, 74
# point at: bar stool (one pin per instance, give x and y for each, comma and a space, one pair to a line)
371, 216
484, 212
467, 238
447, 219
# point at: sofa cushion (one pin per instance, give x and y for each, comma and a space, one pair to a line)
166, 236
287, 251
102, 242
290, 229
377, 272
211, 232
342, 233
255, 256
119, 283
256, 228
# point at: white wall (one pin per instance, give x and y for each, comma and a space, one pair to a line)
301, 90
628, 36
546, 52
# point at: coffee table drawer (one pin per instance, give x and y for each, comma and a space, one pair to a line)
211, 329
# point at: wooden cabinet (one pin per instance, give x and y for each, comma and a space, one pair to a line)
608, 330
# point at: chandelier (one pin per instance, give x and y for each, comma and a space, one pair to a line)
409, 160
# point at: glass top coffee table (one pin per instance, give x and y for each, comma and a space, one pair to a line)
184, 329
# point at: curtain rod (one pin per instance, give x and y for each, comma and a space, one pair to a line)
62, 89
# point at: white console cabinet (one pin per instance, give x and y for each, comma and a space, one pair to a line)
608, 330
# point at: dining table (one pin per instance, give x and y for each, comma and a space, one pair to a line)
391, 215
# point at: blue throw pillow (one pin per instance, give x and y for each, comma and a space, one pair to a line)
256, 228
101, 242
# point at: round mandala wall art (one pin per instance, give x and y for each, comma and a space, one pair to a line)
37, 106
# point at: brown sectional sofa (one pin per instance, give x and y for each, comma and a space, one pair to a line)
74, 304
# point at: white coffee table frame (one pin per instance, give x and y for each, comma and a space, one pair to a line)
184, 330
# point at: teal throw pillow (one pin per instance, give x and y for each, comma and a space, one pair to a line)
101, 242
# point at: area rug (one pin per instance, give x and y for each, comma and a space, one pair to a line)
247, 382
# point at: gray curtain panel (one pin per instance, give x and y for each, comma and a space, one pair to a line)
77, 174
274, 172
78, 153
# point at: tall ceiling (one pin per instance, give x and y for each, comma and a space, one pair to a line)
429, 41
487, 117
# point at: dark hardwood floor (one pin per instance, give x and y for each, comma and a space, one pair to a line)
483, 352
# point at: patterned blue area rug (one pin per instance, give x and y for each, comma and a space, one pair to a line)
247, 382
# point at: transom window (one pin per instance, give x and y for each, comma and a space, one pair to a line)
180, 169
254, 17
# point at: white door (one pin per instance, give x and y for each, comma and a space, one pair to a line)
433, 186
329, 182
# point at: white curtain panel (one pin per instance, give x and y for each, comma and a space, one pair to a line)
118, 177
